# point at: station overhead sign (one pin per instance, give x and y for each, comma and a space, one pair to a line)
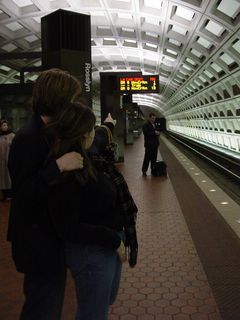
139, 84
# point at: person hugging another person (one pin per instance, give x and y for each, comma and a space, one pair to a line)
97, 196
6, 137
36, 250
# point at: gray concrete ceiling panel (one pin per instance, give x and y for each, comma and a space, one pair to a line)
189, 43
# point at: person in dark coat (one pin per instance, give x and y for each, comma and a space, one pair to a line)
96, 195
36, 250
151, 143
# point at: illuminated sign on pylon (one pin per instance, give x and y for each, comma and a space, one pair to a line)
139, 84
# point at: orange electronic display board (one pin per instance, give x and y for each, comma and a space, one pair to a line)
139, 84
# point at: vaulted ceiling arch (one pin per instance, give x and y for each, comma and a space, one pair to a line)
179, 40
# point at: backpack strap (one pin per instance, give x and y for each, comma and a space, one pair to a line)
109, 133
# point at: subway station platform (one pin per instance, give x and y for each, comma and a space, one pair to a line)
189, 255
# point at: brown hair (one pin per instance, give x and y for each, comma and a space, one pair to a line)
3, 121
53, 89
67, 131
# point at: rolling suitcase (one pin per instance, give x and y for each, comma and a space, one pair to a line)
160, 169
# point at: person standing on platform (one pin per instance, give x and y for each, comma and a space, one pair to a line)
36, 250
151, 143
97, 195
6, 137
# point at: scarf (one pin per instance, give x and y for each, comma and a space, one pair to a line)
127, 203
4, 133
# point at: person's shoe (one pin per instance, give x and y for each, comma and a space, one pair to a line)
144, 174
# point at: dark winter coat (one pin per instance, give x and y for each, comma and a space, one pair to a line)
151, 140
36, 246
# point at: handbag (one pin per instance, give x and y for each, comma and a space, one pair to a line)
111, 149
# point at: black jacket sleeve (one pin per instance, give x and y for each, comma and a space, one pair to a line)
29, 174
31, 180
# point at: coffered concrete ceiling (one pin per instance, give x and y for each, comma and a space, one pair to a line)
175, 39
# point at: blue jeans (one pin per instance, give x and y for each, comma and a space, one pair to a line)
43, 296
96, 272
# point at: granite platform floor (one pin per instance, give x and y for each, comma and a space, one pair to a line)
168, 283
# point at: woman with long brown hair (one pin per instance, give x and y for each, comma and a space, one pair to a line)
86, 197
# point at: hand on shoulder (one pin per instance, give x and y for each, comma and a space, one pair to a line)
70, 161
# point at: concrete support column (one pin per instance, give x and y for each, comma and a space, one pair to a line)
66, 44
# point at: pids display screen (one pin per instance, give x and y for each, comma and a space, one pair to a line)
139, 84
